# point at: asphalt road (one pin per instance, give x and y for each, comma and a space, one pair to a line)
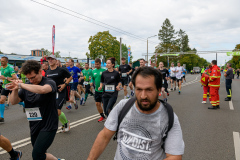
208, 134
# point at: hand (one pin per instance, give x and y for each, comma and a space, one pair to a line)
62, 86
118, 88
99, 88
2, 77
166, 78
13, 85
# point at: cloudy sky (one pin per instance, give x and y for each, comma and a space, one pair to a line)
25, 25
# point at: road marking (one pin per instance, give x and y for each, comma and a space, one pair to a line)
73, 125
231, 105
236, 140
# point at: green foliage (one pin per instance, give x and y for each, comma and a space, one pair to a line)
103, 45
235, 61
47, 52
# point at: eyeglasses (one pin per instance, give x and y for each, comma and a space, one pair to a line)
32, 77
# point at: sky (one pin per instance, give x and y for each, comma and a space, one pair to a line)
25, 25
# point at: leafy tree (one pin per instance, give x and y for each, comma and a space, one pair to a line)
235, 61
103, 45
47, 52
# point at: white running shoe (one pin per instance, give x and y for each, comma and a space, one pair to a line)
67, 126
204, 102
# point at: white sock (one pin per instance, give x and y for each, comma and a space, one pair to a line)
125, 97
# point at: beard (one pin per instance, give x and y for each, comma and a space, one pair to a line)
149, 106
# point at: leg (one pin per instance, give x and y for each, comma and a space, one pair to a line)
163, 93
125, 90
205, 90
2, 106
6, 145
42, 142
105, 104
111, 103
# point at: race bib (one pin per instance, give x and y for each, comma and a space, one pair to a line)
124, 74
85, 83
179, 77
33, 114
109, 88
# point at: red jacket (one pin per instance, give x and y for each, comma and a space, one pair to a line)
215, 75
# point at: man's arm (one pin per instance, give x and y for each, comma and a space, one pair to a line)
14, 98
173, 157
100, 143
37, 88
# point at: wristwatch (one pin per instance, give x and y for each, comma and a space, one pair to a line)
66, 84
19, 86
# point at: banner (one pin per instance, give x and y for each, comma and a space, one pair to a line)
233, 53
170, 55
53, 39
129, 54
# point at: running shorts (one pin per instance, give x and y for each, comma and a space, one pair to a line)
98, 96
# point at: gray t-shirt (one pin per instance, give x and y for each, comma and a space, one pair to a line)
229, 73
140, 135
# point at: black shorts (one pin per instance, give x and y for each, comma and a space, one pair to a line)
124, 81
5, 92
173, 78
98, 96
60, 98
183, 76
179, 80
81, 82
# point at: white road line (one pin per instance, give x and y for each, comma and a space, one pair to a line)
231, 105
236, 140
73, 124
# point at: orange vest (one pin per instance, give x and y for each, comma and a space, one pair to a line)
214, 78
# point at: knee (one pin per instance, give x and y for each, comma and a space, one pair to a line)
37, 155
2, 101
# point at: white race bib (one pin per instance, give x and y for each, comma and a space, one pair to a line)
124, 74
33, 114
109, 88
85, 83
71, 81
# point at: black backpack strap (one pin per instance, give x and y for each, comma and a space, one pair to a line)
123, 113
170, 120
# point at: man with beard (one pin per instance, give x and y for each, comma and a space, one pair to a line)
141, 131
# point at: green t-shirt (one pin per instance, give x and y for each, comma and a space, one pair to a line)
87, 74
96, 76
23, 78
7, 72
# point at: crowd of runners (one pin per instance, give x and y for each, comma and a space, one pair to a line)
43, 89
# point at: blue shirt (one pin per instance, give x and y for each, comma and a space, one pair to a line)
184, 73
73, 71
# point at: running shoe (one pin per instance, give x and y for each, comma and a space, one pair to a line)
77, 99
171, 89
63, 128
179, 92
67, 126
128, 96
204, 102
167, 94
22, 104
101, 119
60, 159
174, 88
81, 101
76, 106
69, 107
1, 120
132, 93
19, 156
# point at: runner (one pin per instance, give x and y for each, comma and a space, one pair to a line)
87, 74
184, 75
80, 83
39, 96
173, 76
165, 75
124, 71
96, 77
7, 73
130, 79
6, 145
179, 71
110, 80
73, 84
58, 75
142, 63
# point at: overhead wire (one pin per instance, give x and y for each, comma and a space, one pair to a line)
131, 35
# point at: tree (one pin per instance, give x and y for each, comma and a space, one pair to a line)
47, 52
166, 34
235, 61
103, 45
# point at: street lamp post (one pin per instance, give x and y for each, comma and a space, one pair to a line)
147, 46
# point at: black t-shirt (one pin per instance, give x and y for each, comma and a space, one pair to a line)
133, 70
58, 75
110, 78
46, 104
124, 69
165, 74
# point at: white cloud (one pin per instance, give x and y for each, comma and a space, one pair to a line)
26, 25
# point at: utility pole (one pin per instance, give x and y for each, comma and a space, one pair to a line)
147, 51
120, 50
216, 56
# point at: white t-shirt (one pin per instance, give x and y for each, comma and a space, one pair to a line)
172, 74
140, 135
179, 74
